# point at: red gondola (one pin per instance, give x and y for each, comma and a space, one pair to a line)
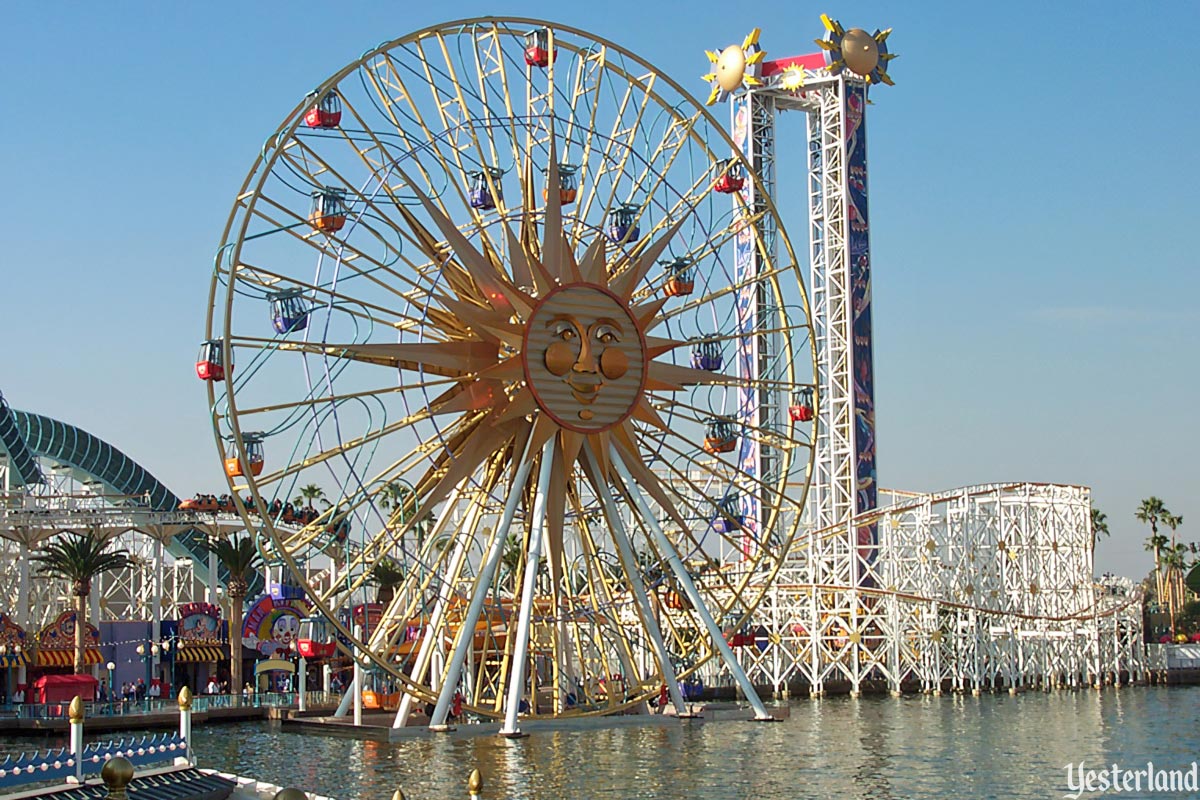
208, 364
801, 409
325, 113
316, 638
537, 48
733, 177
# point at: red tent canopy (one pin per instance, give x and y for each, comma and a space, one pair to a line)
63, 688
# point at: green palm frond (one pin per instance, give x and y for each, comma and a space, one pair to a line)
239, 556
79, 557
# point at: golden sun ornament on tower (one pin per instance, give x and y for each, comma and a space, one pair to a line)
734, 68
864, 54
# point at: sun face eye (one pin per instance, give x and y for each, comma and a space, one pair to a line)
606, 334
564, 331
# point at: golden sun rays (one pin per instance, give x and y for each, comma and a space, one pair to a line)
541, 346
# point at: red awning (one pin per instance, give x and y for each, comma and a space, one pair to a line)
66, 658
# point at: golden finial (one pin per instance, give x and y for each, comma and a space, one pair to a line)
398, 794
75, 711
185, 699
116, 774
475, 783
290, 794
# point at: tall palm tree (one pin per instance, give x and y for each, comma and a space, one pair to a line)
1175, 573
1099, 525
510, 561
1175, 559
79, 557
387, 575
398, 498
311, 493
1151, 511
242, 559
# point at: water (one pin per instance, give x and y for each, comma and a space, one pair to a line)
995, 746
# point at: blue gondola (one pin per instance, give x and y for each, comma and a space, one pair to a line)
289, 311
624, 227
480, 192
706, 354
729, 516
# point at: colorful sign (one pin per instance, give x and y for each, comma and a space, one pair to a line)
12, 636
273, 624
746, 267
858, 241
199, 623
60, 634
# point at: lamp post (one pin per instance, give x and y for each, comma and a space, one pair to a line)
4, 650
148, 654
111, 667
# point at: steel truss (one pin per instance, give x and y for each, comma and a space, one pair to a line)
985, 587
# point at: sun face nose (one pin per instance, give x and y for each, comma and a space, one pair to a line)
587, 358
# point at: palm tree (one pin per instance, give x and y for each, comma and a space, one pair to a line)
242, 559
400, 499
388, 576
1174, 574
1175, 559
79, 558
510, 560
311, 493
1151, 511
1099, 525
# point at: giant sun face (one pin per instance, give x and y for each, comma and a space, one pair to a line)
584, 357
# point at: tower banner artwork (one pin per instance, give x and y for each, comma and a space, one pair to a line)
745, 269
860, 297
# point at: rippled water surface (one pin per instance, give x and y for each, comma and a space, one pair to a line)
995, 746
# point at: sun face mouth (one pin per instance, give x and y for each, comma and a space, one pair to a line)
585, 388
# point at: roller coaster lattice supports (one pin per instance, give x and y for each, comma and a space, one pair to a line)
982, 588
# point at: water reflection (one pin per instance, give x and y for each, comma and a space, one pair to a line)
871, 748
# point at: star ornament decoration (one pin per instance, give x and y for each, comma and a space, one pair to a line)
734, 67
864, 54
541, 348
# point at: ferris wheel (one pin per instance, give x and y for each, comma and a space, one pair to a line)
478, 288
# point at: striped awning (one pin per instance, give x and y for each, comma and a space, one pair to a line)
198, 654
13, 660
66, 658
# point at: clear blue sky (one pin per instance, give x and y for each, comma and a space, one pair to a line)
1032, 177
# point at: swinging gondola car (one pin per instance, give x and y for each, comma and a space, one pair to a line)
733, 177
289, 311
316, 639
801, 409
479, 194
209, 366
328, 213
568, 185
254, 454
624, 227
706, 355
537, 48
722, 436
729, 516
681, 278
325, 113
